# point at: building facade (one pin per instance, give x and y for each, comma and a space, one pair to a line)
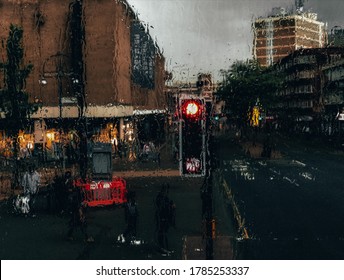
336, 37
90, 58
313, 92
282, 32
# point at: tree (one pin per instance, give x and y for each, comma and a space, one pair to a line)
245, 84
14, 100
77, 36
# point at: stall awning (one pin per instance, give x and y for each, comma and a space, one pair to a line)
91, 112
148, 112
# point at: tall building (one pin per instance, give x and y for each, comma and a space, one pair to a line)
283, 32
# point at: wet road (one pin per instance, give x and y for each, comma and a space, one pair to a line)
293, 207
45, 236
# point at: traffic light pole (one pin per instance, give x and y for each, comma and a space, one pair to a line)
207, 195
208, 217
192, 137
196, 156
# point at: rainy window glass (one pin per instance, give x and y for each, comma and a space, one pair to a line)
171, 130
142, 56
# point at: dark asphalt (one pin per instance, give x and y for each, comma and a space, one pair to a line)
293, 207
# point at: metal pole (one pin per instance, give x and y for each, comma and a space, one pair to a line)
59, 74
208, 195
59, 81
207, 200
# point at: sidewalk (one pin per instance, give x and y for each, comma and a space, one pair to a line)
147, 173
124, 168
134, 164
47, 175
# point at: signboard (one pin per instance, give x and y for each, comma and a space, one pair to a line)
101, 160
340, 116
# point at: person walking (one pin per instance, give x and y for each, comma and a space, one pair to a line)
163, 217
131, 216
78, 217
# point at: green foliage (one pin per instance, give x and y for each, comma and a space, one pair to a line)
245, 84
14, 100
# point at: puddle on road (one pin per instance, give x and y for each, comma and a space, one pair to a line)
291, 171
241, 168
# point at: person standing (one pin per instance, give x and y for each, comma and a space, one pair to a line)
120, 148
163, 218
131, 216
31, 182
78, 217
172, 214
63, 187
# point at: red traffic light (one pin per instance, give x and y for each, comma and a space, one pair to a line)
191, 108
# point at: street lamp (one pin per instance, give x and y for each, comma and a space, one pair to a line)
56, 66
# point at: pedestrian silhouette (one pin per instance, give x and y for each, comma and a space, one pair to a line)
164, 216
131, 216
172, 214
31, 182
63, 186
78, 218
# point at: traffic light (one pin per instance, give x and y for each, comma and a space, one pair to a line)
192, 137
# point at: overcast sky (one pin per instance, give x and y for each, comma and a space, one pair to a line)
208, 35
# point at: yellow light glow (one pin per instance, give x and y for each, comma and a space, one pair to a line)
30, 145
50, 135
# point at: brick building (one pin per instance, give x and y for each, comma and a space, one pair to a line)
282, 32
97, 53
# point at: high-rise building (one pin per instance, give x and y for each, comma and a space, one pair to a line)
282, 32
